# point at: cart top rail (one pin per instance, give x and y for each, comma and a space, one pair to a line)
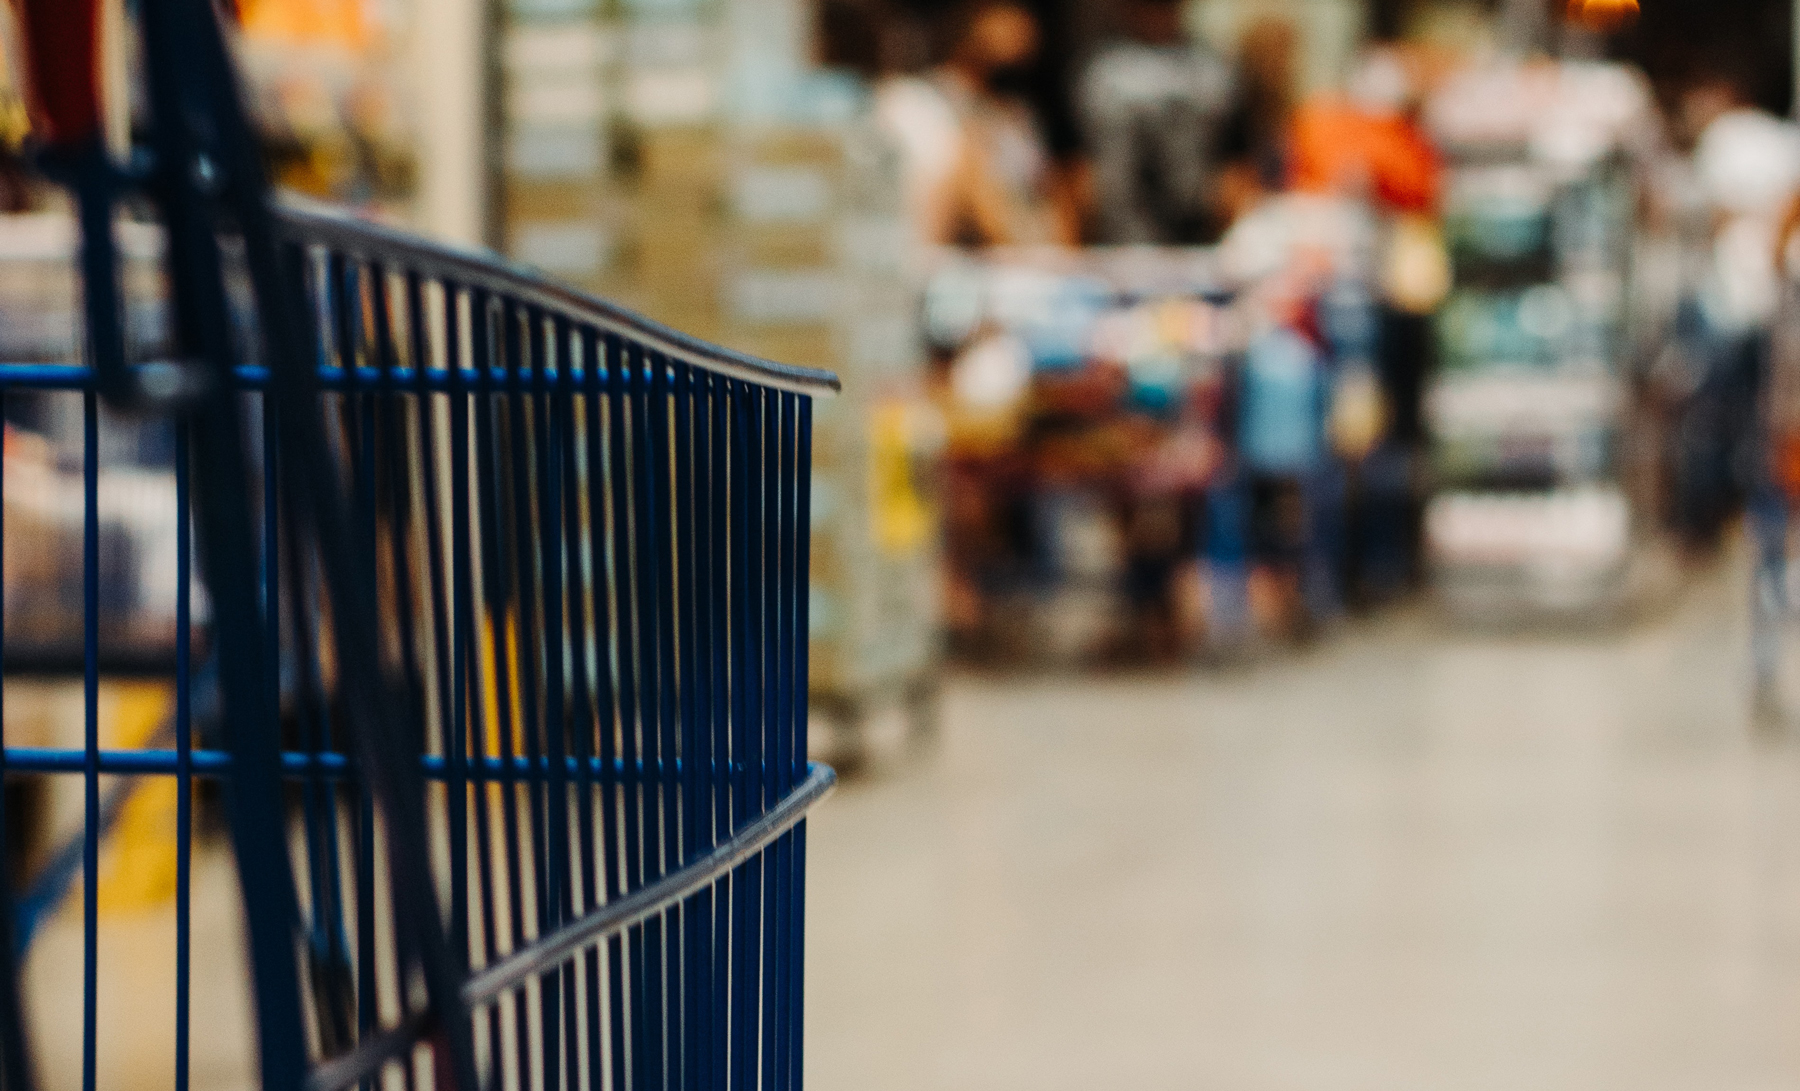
311, 224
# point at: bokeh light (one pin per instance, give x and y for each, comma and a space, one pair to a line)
1605, 16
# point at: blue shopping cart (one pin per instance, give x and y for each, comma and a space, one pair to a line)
502, 658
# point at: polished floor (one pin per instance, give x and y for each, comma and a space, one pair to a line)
1403, 859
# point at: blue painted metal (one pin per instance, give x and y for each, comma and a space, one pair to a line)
90, 693
507, 634
334, 765
184, 756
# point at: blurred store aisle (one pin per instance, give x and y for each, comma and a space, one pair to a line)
1407, 860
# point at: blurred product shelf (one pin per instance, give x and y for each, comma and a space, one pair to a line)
685, 160
1534, 516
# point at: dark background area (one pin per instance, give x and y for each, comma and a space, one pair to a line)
1678, 40
1674, 41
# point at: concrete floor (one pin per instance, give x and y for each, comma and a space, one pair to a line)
1401, 860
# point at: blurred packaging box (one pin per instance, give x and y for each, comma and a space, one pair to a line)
676, 157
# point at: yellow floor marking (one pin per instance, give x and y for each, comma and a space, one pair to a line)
138, 859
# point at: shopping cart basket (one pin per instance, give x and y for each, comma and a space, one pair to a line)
507, 613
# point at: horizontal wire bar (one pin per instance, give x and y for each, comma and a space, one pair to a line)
329, 763
486, 986
362, 379
49, 376
21, 759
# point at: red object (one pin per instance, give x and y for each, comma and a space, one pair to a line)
62, 56
1785, 459
1339, 149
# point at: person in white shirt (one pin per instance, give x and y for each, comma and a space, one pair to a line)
1747, 165
974, 164
1746, 168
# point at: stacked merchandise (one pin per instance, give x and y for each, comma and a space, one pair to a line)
647, 142
1152, 452
1532, 517
18, 189
680, 158
44, 462
1083, 396
813, 271
557, 198
1092, 404
813, 267
326, 85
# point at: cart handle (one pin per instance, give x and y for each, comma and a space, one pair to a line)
62, 63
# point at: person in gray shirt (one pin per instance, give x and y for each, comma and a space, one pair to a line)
1152, 106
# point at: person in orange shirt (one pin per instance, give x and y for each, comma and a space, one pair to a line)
1003, 188
1367, 142
340, 23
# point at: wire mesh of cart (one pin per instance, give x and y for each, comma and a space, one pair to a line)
501, 656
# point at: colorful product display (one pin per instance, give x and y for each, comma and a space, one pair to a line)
1150, 456
328, 86
682, 158
1528, 409
44, 459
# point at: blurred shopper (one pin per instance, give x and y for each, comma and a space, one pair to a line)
1368, 144
1782, 412
1777, 493
921, 121
1747, 162
1775, 481
1152, 106
976, 167
1746, 166
1255, 143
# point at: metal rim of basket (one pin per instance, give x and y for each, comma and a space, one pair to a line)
318, 225
546, 952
